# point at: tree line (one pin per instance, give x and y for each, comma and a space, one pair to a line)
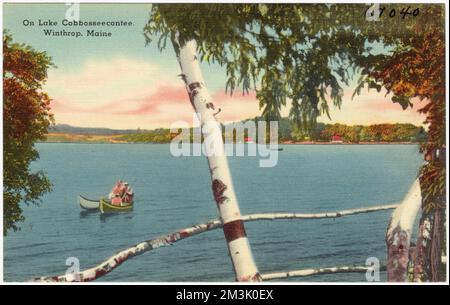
360, 133
288, 132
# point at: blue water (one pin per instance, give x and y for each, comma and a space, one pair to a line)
172, 193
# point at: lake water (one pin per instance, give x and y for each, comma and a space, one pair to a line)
172, 193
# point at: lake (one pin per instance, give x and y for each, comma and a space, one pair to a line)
173, 193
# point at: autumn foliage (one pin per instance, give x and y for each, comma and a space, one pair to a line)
420, 72
26, 117
417, 70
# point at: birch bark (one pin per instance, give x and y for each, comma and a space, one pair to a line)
222, 186
398, 235
318, 271
428, 254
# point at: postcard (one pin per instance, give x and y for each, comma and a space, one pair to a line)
223, 142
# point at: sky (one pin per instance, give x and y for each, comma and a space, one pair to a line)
118, 82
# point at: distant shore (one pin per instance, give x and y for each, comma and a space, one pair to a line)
346, 143
116, 139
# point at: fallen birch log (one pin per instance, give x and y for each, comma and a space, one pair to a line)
116, 260
319, 271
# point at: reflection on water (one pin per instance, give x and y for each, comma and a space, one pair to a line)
87, 213
109, 216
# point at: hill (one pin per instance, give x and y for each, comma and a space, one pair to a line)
68, 129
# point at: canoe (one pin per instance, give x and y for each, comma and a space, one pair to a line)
88, 204
277, 148
107, 207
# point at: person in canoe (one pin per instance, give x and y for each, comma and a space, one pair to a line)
121, 194
126, 194
115, 190
116, 200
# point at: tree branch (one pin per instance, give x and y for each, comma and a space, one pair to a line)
318, 271
116, 260
279, 216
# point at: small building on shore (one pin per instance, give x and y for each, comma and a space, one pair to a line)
248, 140
337, 139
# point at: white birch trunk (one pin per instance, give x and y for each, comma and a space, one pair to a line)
318, 271
116, 260
398, 235
273, 216
238, 245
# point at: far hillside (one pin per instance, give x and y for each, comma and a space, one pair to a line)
68, 129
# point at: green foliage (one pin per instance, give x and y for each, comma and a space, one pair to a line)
26, 118
403, 39
160, 135
371, 133
392, 133
415, 68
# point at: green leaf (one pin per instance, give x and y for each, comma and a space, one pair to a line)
402, 100
263, 9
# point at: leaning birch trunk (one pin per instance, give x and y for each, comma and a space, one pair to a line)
233, 227
398, 235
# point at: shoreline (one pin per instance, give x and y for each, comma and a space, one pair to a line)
118, 139
281, 143
349, 143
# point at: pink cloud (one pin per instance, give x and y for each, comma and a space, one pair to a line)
236, 107
372, 107
164, 106
166, 103
222, 97
59, 106
388, 105
145, 105
151, 103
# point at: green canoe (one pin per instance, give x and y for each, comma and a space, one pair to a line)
107, 207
